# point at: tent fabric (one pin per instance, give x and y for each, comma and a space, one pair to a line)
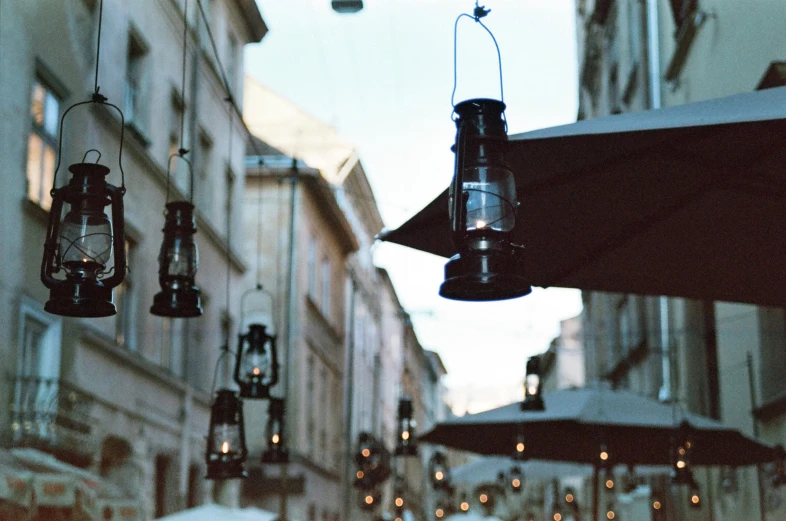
213, 512
486, 469
30, 478
636, 430
685, 201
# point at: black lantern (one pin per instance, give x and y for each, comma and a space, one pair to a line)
369, 499
610, 513
406, 445
657, 507
464, 502
681, 447
694, 496
226, 440
516, 478
177, 265
256, 364
533, 401
276, 451
82, 244
570, 498
439, 471
347, 6
630, 481
519, 452
482, 208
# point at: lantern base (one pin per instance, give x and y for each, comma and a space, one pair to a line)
184, 303
479, 276
71, 298
533, 403
254, 391
226, 470
275, 456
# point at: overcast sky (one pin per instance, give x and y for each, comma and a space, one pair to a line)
383, 77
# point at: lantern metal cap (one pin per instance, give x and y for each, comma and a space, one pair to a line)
480, 276
180, 214
185, 302
80, 298
479, 106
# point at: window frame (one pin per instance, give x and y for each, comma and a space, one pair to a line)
48, 140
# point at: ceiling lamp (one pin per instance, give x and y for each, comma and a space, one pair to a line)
482, 200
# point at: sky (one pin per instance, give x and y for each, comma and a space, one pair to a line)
383, 78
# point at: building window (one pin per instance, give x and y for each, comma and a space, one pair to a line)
325, 300
126, 303
173, 340
312, 268
41, 145
135, 101
204, 182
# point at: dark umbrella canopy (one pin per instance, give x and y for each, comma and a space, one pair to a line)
635, 429
686, 201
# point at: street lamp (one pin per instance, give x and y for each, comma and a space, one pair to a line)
226, 440
81, 245
256, 363
276, 451
177, 265
533, 401
406, 445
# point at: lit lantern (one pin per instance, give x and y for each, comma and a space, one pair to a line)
610, 513
604, 458
370, 499
464, 503
533, 401
439, 471
681, 447
694, 497
406, 445
521, 446
276, 451
516, 478
226, 440
81, 245
482, 209
177, 265
256, 365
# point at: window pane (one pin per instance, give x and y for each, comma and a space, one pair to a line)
37, 104
47, 176
51, 114
34, 152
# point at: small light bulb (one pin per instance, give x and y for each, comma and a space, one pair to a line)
604, 455
439, 475
405, 435
695, 499
483, 498
440, 512
480, 224
275, 439
464, 506
680, 464
360, 474
609, 483
366, 453
656, 505
399, 501
369, 499
256, 371
520, 447
557, 516
569, 498
516, 482
610, 514
225, 447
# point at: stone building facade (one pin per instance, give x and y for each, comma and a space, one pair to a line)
722, 360
127, 396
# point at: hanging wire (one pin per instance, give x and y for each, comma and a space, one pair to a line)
98, 46
229, 231
478, 13
260, 165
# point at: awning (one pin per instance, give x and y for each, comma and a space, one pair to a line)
33, 479
217, 512
685, 201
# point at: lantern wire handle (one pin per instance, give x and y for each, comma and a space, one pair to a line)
478, 13
84, 157
260, 165
229, 232
182, 155
99, 99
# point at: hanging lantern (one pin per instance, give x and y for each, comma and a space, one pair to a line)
533, 401
226, 440
556, 511
464, 503
276, 451
630, 481
516, 478
177, 265
369, 499
681, 447
608, 479
439, 471
694, 497
256, 363
521, 446
604, 457
406, 445
482, 208
657, 507
82, 244
347, 6
610, 513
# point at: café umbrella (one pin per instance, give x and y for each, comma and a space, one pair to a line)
684, 201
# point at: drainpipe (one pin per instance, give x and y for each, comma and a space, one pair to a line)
348, 398
653, 54
664, 394
759, 469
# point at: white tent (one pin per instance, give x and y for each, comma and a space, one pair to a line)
214, 512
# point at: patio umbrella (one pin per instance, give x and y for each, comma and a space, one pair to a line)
684, 201
487, 469
635, 429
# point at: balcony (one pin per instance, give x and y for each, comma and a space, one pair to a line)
54, 416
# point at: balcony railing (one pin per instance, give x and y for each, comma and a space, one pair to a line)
51, 414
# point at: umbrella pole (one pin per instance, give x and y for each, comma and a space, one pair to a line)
595, 494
